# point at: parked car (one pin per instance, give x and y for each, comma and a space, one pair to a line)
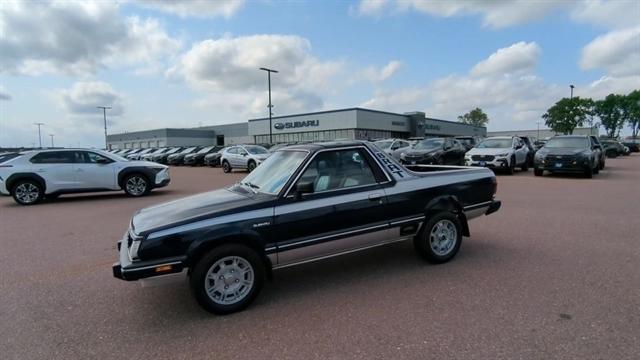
305, 203
162, 157
499, 153
599, 149
213, 159
529, 143
197, 158
139, 154
149, 156
435, 151
178, 158
633, 145
612, 148
393, 147
415, 140
468, 141
568, 154
49, 173
539, 143
276, 147
243, 157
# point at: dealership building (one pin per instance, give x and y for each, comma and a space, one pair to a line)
343, 124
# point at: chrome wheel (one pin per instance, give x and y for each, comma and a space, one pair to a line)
27, 193
229, 280
136, 185
443, 237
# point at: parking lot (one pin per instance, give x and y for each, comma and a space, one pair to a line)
554, 274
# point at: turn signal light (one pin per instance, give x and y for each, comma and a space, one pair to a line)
163, 268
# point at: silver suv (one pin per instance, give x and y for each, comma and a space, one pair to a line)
243, 157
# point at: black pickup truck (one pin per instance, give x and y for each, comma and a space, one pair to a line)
304, 203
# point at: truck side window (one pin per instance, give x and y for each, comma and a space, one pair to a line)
334, 170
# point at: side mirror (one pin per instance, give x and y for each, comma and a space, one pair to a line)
102, 161
244, 154
303, 188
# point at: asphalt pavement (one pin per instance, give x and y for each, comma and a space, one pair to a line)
555, 274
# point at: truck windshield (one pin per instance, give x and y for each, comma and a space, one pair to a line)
429, 144
274, 172
495, 144
568, 143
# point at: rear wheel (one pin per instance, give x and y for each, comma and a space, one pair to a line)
27, 192
227, 279
226, 167
525, 166
440, 239
136, 185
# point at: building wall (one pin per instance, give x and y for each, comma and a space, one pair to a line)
544, 133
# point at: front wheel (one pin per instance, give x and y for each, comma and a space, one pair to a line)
440, 239
538, 172
136, 185
27, 192
512, 166
251, 166
525, 166
227, 279
588, 173
226, 167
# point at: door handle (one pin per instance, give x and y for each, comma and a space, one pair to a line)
375, 196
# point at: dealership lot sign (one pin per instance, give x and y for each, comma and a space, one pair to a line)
296, 124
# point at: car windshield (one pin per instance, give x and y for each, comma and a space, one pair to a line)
255, 150
465, 141
171, 151
568, 142
115, 157
158, 151
383, 144
187, 150
205, 150
495, 144
429, 144
274, 172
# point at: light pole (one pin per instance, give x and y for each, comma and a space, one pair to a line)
538, 122
571, 87
39, 136
269, 71
51, 139
104, 113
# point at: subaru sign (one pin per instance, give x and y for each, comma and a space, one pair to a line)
296, 124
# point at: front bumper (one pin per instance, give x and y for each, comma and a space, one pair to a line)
128, 270
496, 163
162, 178
558, 166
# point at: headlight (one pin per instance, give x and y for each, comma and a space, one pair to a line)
402, 155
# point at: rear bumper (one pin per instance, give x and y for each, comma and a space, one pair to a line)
127, 270
495, 206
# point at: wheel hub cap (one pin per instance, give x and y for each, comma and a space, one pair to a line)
229, 280
443, 237
27, 193
136, 185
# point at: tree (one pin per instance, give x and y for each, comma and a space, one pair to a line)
611, 113
632, 111
567, 114
475, 117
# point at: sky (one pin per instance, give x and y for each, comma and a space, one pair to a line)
196, 62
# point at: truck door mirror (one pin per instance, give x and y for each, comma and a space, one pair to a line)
304, 188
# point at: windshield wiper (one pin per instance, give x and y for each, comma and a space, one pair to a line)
251, 186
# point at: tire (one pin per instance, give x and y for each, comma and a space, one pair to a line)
136, 185
512, 166
238, 259
251, 165
525, 166
601, 165
588, 173
596, 170
226, 167
442, 227
27, 192
538, 172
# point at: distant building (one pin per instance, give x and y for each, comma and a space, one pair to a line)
543, 133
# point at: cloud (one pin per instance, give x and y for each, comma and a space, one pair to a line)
85, 96
226, 71
377, 75
517, 58
495, 14
610, 14
4, 94
618, 52
195, 8
77, 38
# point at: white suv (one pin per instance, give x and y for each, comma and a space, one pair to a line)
243, 156
49, 173
499, 153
